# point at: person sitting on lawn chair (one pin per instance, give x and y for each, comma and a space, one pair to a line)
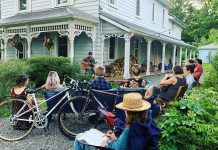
52, 87
52, 84
140, 130
169, 85
89, 64
100, 83
198, 71
188, 75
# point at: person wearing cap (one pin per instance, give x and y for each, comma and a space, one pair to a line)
89, 63
100, 83
137, 126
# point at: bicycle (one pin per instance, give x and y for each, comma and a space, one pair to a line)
18, 117
79, 111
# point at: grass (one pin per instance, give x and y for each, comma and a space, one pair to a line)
5, 112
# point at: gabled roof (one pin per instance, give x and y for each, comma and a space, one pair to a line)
130, 27
176, 20
166, 3
209, 47
47, 14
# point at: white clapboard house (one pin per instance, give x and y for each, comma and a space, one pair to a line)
110, 28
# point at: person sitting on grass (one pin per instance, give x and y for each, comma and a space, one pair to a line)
188, 75
100, 83
136, 81
140, 131
19, 91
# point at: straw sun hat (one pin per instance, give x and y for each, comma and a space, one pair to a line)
133, 102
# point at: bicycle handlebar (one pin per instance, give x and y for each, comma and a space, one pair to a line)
31, 91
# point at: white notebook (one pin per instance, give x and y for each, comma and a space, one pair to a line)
93, 137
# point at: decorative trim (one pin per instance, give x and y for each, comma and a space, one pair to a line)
50, 28
119, 35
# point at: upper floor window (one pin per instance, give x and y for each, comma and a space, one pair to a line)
22, 5
113, 3
153, 12
163, 18
62, 2
138, 7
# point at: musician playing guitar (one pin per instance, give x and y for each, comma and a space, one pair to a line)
89, 63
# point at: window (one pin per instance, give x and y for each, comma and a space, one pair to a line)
163, 19
22, 5
62, 2
113, 3
136, 48
138, 7
153, 10
112, 48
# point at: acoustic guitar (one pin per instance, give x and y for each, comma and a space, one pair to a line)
85, 65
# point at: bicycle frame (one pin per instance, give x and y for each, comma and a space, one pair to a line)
67, 95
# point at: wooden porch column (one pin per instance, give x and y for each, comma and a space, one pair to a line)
163, 56
174, 55
71, 37
186, 56
102, 49
29, 42
190, 54
126, 74
149, 41
180, 56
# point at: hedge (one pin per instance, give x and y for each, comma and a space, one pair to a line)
37, 68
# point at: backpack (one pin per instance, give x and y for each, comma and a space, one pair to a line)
144, 136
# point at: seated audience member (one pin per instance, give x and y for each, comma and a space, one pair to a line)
52, 82
19, 92
140, 131
52, 87
192, 65
136, 81
100, 83
198, 70
169, 85
188, 75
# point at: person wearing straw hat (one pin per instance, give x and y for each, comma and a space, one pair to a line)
136, 119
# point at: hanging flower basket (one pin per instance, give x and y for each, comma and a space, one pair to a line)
48, 42
16, 42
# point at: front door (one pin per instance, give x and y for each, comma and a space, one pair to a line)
62, 46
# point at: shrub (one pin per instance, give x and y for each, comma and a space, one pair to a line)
39, 68
211, 79
191, 123
9, 71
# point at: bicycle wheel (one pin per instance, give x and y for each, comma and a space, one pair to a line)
16, 119
75, 118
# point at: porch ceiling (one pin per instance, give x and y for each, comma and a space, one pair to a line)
144, 31
48, 14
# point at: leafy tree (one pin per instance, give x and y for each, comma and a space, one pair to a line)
199, 21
